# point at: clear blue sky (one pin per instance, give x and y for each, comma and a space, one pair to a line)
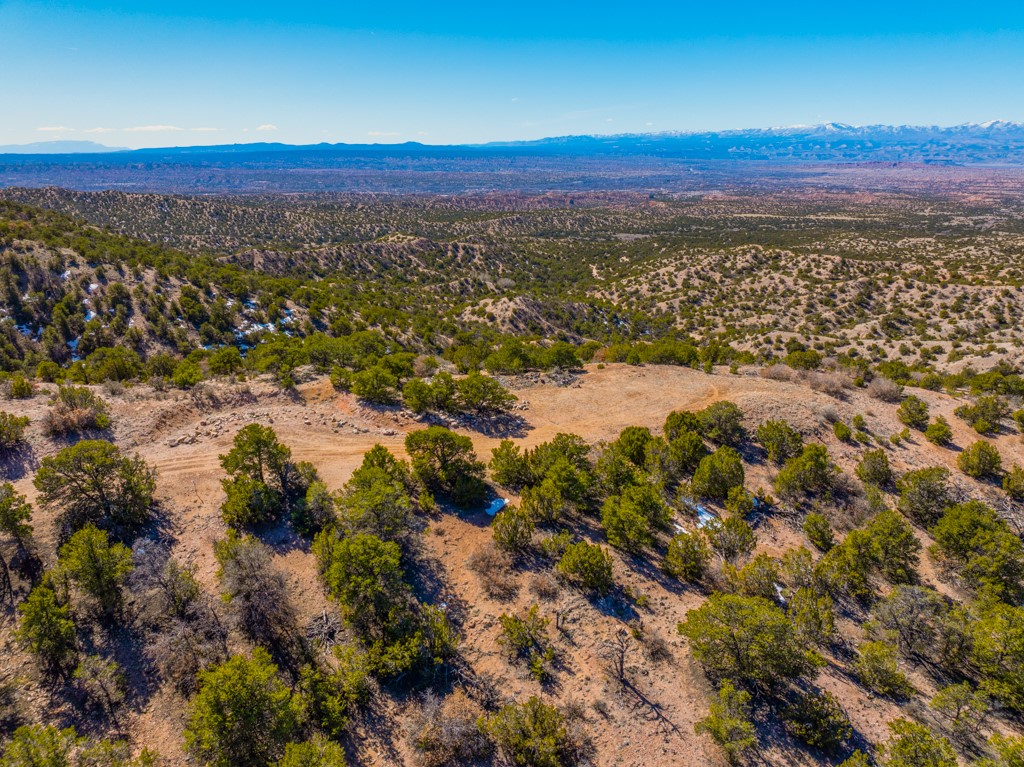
142, 73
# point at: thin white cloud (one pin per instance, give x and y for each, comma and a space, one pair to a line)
153, 129
54, 129
204, 130
380, 133
100, 130
266, 126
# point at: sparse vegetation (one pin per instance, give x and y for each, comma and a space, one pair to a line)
272, 329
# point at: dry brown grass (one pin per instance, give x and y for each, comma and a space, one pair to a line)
495, 570
885, 390
444, 732
777, 372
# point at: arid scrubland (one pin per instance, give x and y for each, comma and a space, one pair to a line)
755, 455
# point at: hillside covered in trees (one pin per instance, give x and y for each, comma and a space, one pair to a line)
604, 479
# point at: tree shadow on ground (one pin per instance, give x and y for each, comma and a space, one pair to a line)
17, 462
776, 742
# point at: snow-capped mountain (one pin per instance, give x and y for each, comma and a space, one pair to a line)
995, 141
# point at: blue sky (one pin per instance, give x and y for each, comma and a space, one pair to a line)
176, 73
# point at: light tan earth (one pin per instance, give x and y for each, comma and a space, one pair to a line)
183, 433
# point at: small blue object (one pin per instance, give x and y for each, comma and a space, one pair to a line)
496, 505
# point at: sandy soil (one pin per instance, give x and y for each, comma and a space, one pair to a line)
182, 434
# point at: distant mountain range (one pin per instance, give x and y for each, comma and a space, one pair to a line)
996, 141
60, 147
677, 162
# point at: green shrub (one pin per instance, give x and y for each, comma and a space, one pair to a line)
758, 578
243, 714
376, 384
963, 706
260, 481
985, 415
819, 531
20, 388
46, 746
525, 639
12, 430
93, 482
186, 374
925, 494
812, 616
747, 639
512, 530
913, 412
76, 409
686, 451
998, 653
739, 502
806, 359
1009, 750
843, 432
981, 548
896, 548
249, 503
687, 557
717, 474
629, 519
980, 461
1013, 483
478, 393
729, 724
780, 440
48, 371
331, 694
535, 734
510, 466
939, 432
877, 669
818, 720
810, 473
731, 538
45, 628
98, 568
679, 422
874, 469
588, 565
364, 574
722, 423
545, 503
318, 751
913, 745
112, 364
226, 361
445, 461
